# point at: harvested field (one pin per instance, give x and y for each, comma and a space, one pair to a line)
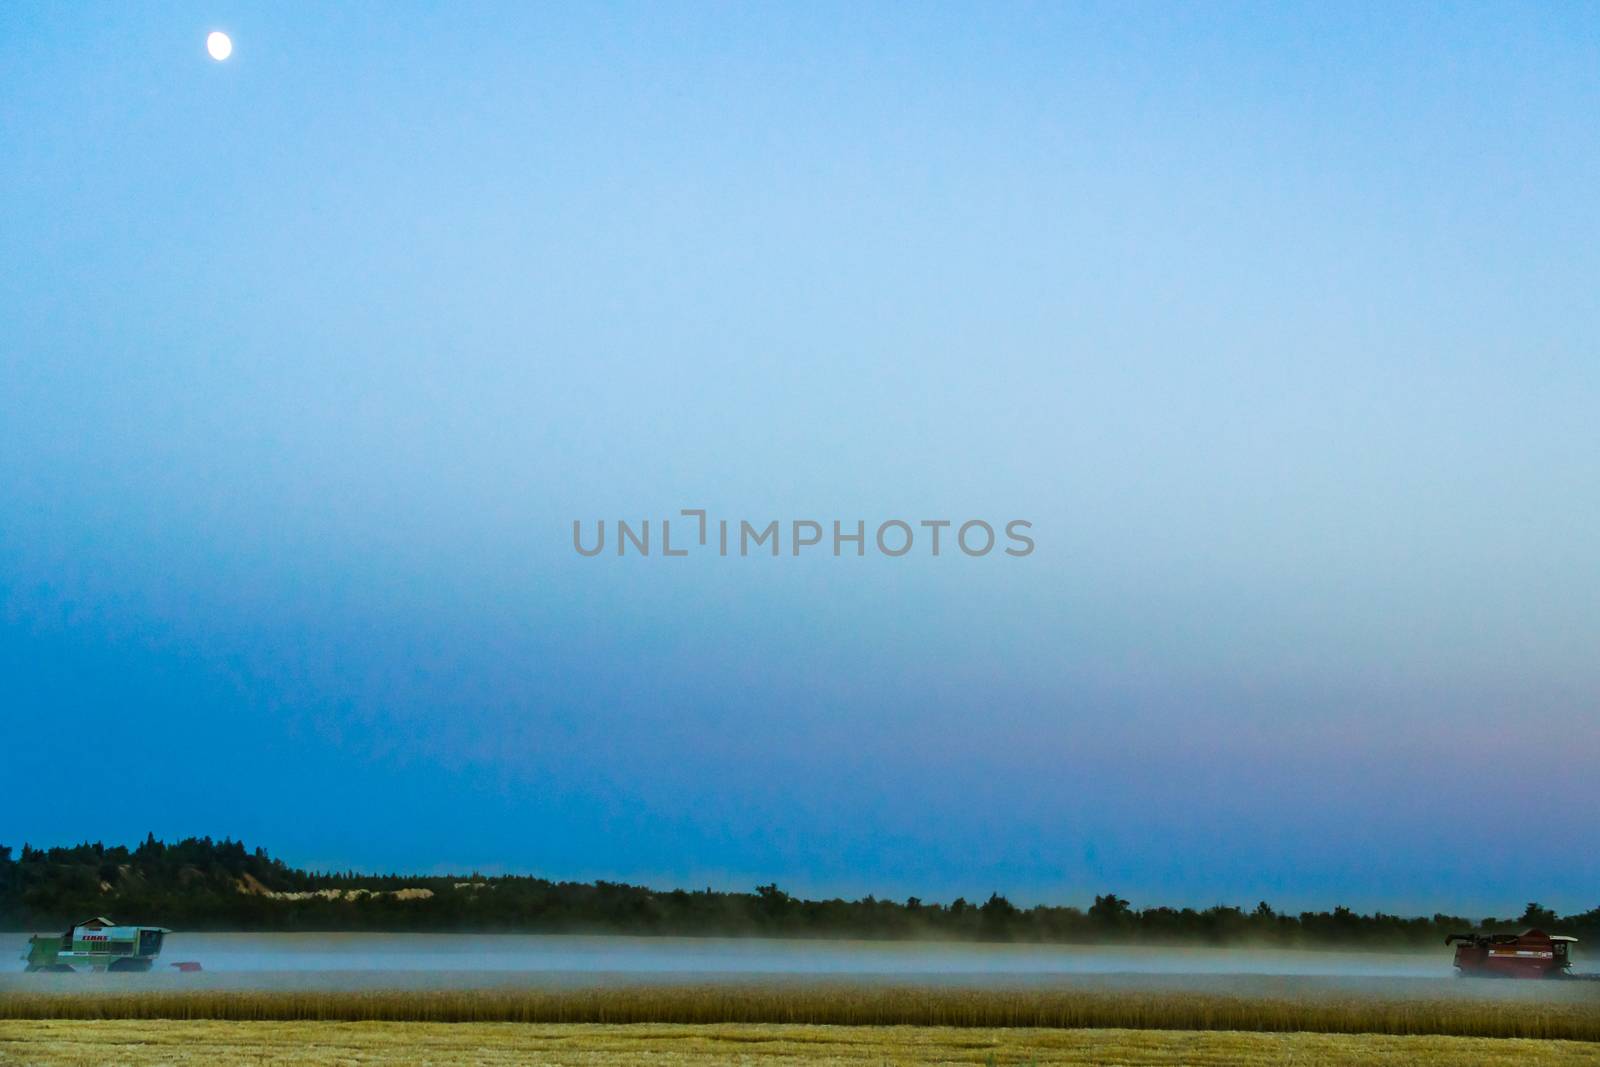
277, 1044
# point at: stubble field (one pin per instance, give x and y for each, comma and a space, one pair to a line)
145, 1043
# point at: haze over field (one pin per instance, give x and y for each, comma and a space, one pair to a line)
324, 960
1277, 321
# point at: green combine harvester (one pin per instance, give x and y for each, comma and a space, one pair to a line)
98, 945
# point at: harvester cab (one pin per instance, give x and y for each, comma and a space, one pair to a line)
96, 944
1530, 954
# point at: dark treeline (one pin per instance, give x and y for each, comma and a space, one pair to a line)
201, 884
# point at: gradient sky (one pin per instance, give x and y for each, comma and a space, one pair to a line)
1279, 322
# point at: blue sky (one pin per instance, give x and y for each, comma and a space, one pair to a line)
1278, 322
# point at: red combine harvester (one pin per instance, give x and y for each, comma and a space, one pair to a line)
1530, 954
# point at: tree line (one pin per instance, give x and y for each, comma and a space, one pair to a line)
202, 884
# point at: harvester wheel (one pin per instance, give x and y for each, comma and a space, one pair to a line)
122, 966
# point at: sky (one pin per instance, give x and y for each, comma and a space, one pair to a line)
1278, 322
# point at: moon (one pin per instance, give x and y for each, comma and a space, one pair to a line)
219, 44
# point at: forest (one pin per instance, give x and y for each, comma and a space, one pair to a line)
202, 884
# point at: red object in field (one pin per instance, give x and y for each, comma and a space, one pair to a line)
187, 966
1530, 954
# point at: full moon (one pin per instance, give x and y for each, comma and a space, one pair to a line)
219, 45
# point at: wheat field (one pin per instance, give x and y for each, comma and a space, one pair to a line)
149, 1043
856, 1004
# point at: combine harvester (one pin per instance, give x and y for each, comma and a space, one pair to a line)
98, 945
1530, 954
